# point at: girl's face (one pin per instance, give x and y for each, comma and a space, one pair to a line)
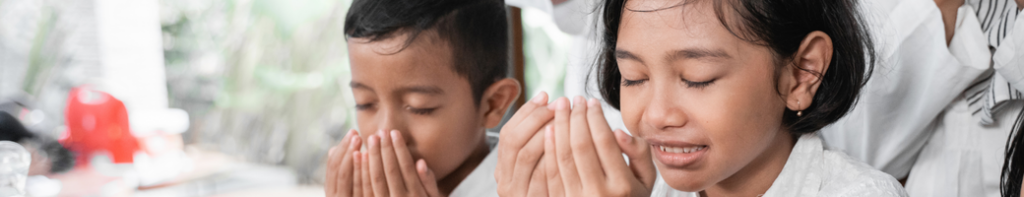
703, 98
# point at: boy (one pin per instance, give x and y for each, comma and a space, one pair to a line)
428, 78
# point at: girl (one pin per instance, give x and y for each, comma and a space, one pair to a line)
726, 96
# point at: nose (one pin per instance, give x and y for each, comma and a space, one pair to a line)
392, 119
664, 111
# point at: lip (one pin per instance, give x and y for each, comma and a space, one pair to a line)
677, 159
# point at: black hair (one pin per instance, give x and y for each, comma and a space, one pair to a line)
780, 25
1013, 163
477, 31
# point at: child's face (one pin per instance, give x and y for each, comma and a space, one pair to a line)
693, 87
416, 92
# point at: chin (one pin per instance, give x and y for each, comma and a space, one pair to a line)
685, 180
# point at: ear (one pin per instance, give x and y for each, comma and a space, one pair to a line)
809, 65
497, 99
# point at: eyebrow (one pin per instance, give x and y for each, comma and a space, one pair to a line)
429, 90
697, 53
690, 53
623, 54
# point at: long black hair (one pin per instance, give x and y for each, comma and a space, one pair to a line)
780, 25
1013, 164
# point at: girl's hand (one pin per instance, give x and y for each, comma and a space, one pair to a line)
340, 170
583, 158
520, 150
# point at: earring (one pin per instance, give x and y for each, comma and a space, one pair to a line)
801, 112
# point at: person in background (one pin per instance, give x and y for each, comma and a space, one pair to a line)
940, 111
428, 78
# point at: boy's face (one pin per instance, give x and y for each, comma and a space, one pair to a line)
417, 92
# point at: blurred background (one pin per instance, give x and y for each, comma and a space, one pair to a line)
209, 98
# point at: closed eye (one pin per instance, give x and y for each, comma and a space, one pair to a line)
627, 82
366, 106
698, 84
421, 111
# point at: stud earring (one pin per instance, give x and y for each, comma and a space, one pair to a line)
801, 112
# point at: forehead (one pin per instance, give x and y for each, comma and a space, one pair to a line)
662, 25
426, 60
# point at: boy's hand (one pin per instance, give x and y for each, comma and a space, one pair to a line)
583, 158
341, 176
391, 170
521, 149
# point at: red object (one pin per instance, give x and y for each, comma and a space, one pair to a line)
97, 123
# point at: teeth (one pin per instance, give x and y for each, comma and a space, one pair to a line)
681, 149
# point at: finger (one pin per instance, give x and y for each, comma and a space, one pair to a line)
525, 164
514, 137
538, 182
555, 188
392, 172
357, 174
428, 178
639, 154
538, 101
563, 150
606, 144
583, 152
345, 170
333, 161
367, 184
331, 178
377, 175
406, 164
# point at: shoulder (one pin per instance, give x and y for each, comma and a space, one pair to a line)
849, 177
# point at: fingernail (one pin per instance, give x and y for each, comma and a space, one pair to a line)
539, 98
579, 100
330, 152
394, 134
592, 102
352, 144
623, 136
373, 140
381, 133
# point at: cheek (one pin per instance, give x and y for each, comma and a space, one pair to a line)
446, 139
632, 105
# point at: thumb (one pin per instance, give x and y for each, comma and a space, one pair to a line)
427, 178
639, 154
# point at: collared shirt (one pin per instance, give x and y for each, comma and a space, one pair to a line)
813, 170
480, 182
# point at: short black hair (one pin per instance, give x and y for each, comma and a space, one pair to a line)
477, 31
780, 25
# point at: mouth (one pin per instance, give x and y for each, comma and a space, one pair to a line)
679, 155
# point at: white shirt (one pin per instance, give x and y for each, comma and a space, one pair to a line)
813, 170
913, 118
964, 157
916, 77
480, 182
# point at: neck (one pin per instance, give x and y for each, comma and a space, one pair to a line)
758, 176
448, 183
